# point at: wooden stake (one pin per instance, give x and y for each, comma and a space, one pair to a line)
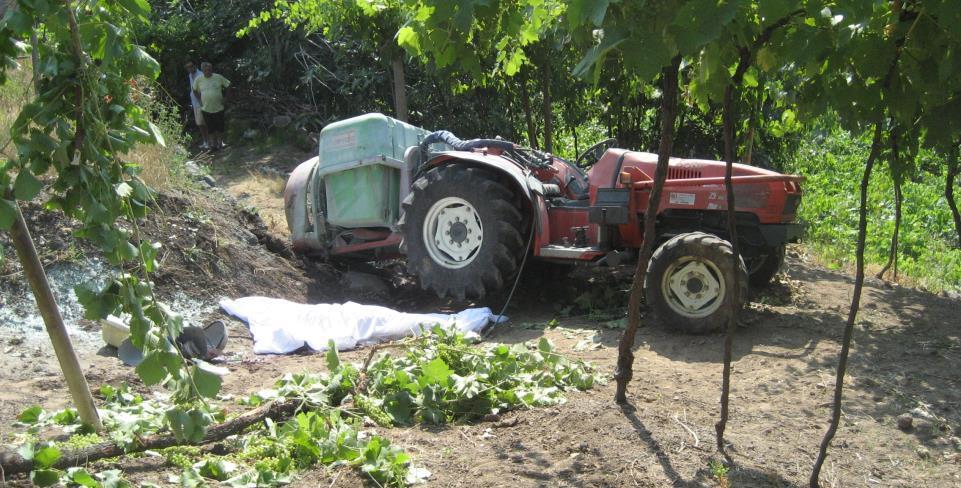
69, 364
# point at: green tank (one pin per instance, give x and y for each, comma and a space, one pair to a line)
362, 170
356, 181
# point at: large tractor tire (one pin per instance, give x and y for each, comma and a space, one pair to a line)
462, 234
763, 269
690, 282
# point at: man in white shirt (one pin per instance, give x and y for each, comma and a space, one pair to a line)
192, 74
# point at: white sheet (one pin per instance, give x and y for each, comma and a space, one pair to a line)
280, 326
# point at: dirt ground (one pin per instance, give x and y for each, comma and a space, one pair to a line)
904, 360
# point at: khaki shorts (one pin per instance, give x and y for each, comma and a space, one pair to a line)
198, 116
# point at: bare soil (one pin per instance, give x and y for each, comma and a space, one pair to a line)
904, 360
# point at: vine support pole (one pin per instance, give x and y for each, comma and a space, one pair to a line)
853, 312
729, 150
625, 353
895, 166
745, 56
69, 364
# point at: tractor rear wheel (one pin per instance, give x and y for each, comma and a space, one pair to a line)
462, 234
763, 268
690, 283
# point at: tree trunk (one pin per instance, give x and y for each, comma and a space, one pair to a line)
528, 114
13, 462
400, 88
625, 352
69, 364
949, 189
548, 111
853, 311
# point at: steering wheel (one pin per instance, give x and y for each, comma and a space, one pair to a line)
594, 153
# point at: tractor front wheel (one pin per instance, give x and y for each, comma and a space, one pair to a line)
462, 234
690, 283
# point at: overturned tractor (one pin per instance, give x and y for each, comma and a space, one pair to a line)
467, 213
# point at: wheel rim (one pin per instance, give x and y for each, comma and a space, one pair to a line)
693, 287
453, 232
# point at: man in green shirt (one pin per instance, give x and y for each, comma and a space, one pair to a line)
210, 89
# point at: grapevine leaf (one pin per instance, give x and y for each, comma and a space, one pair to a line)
646, 53
592, 10
594, 58
139, 8
145, 64
207, 377
45, 477
188, 426
437, 372
772, 10
400, 407
31, 415
81, 477
407, 38
151, 370
26, 186
46, 456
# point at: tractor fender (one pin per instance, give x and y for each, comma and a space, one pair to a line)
530, 187
298, 199
526, 182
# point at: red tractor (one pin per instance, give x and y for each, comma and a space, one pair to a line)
470, 211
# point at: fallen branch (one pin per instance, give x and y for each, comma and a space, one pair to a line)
13, 462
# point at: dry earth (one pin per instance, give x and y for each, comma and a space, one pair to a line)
905, 360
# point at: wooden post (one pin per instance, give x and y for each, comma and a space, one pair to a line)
33, 270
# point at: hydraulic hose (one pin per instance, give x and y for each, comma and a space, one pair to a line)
458, 144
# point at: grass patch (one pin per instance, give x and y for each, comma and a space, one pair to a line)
833, 163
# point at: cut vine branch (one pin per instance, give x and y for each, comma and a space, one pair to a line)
14, 463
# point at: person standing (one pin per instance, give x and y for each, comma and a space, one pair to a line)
192, 74
210, 89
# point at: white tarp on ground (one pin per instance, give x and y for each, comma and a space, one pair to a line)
280, 326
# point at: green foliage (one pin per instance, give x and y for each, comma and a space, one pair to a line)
441, 378
832, 163
326, 438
